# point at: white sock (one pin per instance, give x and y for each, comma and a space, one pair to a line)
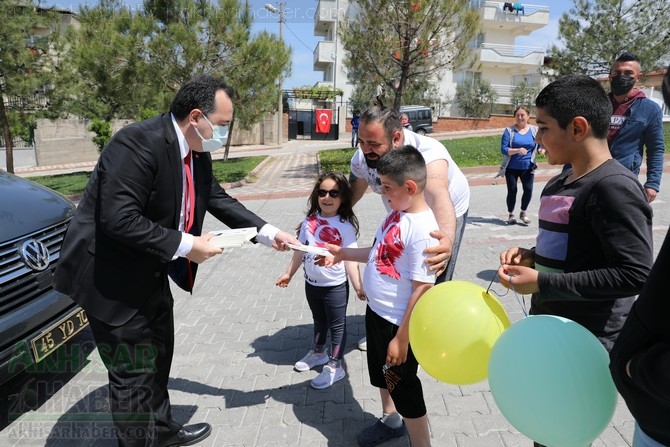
393, 420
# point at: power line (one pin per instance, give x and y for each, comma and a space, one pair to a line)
296, 36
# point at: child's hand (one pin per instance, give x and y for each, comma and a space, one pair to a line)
518, 256
396, 353
283, 280
522, 279
361, 295
327, 261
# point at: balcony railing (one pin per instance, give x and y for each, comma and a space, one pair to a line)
527, 8
511, 50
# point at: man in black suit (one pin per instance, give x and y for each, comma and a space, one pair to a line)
128, 235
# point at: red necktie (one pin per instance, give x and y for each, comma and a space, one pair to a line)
189, 209
189, 195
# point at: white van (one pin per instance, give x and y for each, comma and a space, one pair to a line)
420, 117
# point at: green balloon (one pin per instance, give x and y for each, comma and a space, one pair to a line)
550, 378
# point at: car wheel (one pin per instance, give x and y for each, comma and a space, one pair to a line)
421, 131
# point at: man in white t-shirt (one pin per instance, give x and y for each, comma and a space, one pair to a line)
447, 191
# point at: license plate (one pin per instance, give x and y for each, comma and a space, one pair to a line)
59, 333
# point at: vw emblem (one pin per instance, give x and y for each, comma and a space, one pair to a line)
35, 254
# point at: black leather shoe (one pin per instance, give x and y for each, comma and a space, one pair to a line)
188, 435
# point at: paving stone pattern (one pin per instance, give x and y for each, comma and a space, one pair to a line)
238, 336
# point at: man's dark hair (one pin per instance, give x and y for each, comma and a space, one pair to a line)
385, 115
577, 95
199, 93
627, 57
402, 164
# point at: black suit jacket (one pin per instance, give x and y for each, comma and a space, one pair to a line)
114, 259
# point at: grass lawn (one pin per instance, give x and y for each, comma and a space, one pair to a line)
472, 151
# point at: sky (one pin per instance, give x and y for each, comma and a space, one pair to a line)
298, 30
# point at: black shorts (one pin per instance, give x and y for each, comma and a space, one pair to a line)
401, 380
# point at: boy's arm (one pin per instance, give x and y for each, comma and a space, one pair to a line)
357, 254
396, 353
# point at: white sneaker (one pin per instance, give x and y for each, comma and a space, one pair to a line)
328, 377
363, 344
311, 360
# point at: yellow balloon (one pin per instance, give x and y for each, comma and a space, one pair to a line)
452, 330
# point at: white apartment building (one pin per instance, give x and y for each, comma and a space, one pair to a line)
498, 60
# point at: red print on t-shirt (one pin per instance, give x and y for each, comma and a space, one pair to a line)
391, 247
323, 233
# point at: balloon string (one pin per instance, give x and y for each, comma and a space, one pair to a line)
491, 283
523, 308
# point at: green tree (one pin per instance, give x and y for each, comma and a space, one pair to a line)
594, 32
105, 73
391, 42
103, 133
524, 94
476, 99
122, 62
24, 47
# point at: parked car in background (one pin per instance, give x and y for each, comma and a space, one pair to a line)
35, 320
420, 117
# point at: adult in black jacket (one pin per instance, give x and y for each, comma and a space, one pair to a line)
128, 235
640, 359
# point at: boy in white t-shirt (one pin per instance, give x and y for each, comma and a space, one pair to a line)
396, 275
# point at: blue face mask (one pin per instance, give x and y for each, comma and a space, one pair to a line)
219, 137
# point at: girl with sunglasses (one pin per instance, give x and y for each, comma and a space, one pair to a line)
330, 220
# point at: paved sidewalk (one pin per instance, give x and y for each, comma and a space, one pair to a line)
238, 336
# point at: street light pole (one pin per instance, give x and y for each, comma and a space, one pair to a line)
280, 103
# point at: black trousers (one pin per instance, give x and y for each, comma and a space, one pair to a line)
138, 357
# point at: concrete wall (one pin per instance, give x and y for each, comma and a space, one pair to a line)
69, 141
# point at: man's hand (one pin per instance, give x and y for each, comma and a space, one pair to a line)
282, 239
202, 250
522, 279
651, 194
442, 252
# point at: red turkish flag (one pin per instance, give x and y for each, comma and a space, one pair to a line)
323, 119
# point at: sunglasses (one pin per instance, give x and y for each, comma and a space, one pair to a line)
333, 193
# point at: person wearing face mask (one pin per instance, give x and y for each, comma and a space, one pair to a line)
636, 123
640, 359
140, 219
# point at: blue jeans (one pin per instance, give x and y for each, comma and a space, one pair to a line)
641, 439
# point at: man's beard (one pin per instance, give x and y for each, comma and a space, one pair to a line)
372, 163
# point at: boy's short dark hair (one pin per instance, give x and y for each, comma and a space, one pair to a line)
402, 164
577, 95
